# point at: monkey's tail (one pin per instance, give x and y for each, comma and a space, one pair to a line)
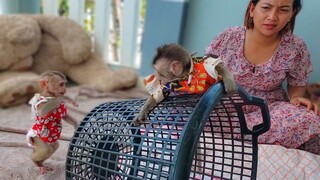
25, 131
14, 144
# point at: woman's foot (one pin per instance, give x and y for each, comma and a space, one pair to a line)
312, 145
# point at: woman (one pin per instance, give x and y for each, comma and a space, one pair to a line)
269, 54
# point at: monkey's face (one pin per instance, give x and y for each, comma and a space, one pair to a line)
167, 71
163, 73
57, 86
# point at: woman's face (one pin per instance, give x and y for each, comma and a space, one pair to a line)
270, 16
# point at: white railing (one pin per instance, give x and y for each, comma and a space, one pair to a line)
130, 31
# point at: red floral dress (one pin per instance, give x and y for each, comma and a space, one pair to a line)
48, 127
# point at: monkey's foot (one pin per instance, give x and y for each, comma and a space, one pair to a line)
137, 122
44, 169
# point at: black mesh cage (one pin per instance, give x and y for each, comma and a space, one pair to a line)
185, 137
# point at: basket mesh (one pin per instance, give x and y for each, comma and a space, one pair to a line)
175, 143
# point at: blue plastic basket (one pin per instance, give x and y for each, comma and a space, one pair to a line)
186, 137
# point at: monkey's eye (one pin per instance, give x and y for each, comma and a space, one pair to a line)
62, 84
165, 74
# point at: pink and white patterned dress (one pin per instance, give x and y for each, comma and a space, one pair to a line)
291, 126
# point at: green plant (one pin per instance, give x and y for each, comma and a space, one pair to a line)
89, 20
63, 7
143, 9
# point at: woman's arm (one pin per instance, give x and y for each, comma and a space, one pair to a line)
296, 91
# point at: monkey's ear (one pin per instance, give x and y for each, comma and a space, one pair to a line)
43, 83
176, 68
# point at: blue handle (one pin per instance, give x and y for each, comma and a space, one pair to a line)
262, 104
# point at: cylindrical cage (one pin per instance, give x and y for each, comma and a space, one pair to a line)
186, 137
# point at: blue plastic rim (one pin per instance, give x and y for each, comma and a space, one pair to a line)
186, 137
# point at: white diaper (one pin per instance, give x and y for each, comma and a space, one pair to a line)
29, 135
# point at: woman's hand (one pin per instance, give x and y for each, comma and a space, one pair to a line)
298, 101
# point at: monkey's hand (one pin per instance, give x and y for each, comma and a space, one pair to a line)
76, 125
230, 85
71, 121
143, 114
141, 117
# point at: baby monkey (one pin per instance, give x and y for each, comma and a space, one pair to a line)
48, 109
177, 72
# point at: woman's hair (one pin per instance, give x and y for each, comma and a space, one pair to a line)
248, 21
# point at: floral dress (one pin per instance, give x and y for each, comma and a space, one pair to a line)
291, 126
47, 127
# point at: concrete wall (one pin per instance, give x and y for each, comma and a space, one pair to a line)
164, 23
